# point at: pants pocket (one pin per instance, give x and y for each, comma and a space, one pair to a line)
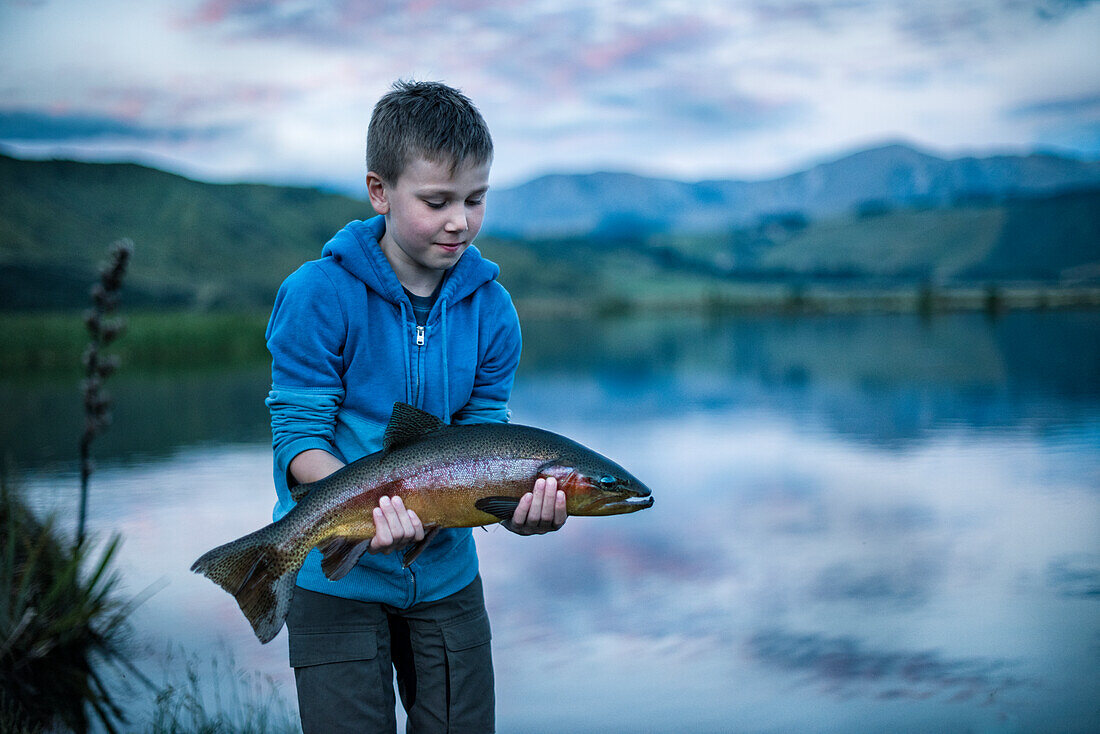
471, 703
335, 646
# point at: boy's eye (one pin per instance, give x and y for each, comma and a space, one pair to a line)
436, 204
475, 202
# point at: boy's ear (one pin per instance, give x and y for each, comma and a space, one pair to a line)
376, 190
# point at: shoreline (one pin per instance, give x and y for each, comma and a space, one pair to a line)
817, 299
51, 342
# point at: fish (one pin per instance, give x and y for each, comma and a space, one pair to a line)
451, 476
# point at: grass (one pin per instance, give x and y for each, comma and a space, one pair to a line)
63, 627
241, 703
52, 343
188, 339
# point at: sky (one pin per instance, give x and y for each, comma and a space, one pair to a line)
281, 91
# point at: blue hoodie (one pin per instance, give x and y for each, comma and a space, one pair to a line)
345, 346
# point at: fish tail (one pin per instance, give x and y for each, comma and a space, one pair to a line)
259, 574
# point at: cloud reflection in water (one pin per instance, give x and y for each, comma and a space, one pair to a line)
849, 667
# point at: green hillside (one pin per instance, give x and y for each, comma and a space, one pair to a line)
938, 244
1052, 239
196, 244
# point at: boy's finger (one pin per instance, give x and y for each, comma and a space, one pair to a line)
535, 516
403, 519
560, 512
382, 536
418, 527
396, 519
519, 517
549, 499
392, 518
538, 500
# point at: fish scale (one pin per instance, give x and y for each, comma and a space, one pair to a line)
450, 476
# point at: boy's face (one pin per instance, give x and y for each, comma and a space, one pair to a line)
431, 218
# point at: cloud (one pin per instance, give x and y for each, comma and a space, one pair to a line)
903, 582
1075, 575
1083, 104
720, 90
1054, 9
35, 126
694, 108
849, 667
327, 22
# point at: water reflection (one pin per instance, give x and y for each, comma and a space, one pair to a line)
789, 560
153, 415
862, 523
880, 378
843, 664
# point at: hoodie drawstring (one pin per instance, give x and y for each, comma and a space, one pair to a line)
408, 357
446, 370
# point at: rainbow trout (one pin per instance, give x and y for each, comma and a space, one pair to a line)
451, 476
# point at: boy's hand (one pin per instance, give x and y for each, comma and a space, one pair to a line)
394, 527
540, 511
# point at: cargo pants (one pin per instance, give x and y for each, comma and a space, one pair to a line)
344, 654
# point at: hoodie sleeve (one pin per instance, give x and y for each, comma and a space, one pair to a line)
306, 337
498, 359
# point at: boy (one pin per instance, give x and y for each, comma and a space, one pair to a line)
399, 307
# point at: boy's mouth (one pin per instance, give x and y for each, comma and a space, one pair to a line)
450, 246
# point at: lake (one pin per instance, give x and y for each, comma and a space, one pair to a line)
862, 523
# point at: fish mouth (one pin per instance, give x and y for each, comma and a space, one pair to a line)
634, 503
621, 505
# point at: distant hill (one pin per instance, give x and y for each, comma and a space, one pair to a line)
1053, 239
197, 244
1049, 240
893, 175
215, 246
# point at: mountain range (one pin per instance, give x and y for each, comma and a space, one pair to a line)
891, 214
893, 175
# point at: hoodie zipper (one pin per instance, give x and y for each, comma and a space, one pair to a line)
418, 373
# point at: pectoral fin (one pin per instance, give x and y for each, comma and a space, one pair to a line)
418, 548
500, 507
341, 554
298, 491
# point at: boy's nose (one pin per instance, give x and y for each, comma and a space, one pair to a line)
457, 221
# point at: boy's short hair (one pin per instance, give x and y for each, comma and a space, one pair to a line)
429, 119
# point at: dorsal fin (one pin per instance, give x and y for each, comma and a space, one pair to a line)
406, 425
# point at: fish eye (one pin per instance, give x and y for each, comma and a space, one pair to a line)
607, 480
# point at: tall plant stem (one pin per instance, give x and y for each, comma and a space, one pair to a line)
97, 367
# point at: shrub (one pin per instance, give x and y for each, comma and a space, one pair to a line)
61, 627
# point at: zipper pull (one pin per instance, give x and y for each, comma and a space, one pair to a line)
419, 336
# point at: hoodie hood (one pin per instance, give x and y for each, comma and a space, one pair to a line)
355, 248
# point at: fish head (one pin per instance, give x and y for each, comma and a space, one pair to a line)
595, 485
